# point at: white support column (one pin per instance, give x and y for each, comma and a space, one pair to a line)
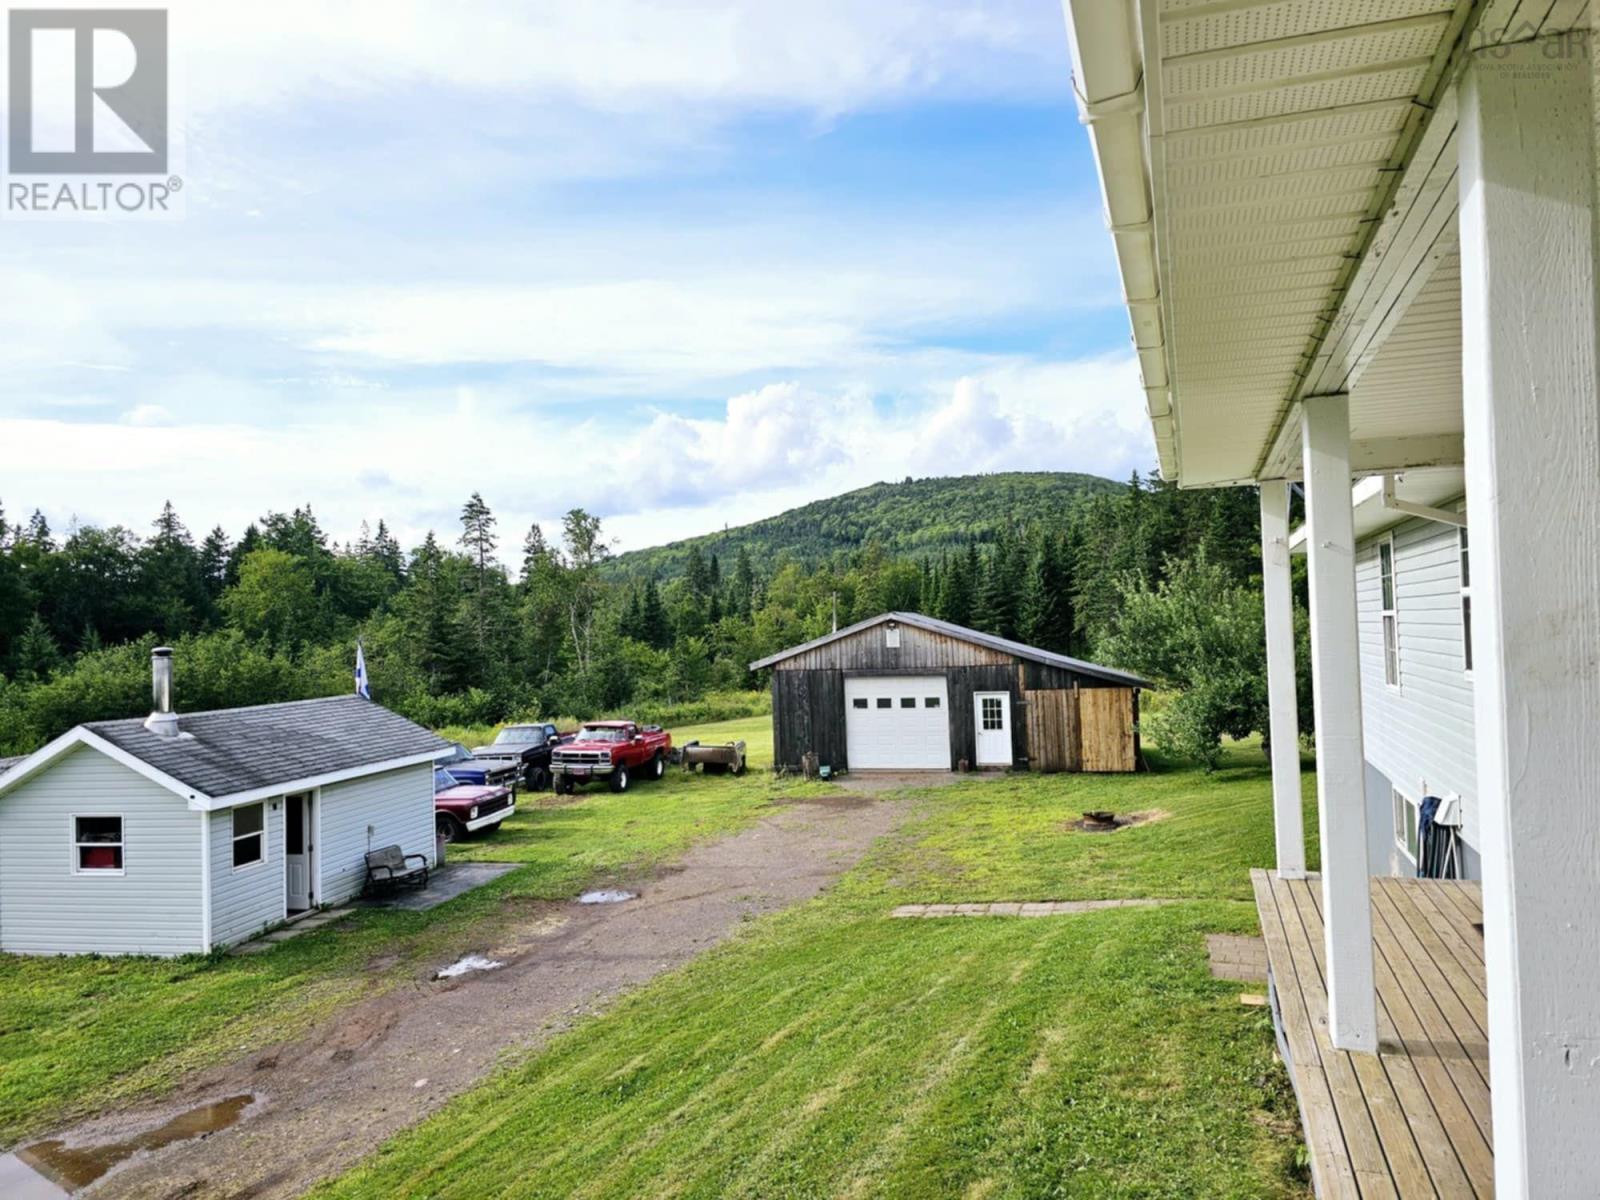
1282, 704
1336, 695
1532, 425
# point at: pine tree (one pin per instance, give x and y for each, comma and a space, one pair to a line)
214, 554
387, 554
744, 584
654, 628
998, 594
1046, 605
37, 655
39, 532
477, 535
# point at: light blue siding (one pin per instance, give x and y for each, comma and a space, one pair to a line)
395, 807
245, 901
154, 907
1419, 735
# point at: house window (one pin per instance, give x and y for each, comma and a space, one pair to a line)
931, 702
859, 702
1391, 632
249, 835
908, 701
97, 844
993, 713
1466, 602
1405, 824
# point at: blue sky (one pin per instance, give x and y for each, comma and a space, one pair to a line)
685, 266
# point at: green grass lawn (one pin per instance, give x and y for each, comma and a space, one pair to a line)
832, 1051
77, 1033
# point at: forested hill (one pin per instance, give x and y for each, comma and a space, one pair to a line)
912, 519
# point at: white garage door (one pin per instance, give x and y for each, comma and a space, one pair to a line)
897, 722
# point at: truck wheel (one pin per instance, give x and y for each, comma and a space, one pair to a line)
538, 780
448, 828
619, 779
658, 766
565, 786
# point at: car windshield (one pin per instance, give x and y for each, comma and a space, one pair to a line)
518, 735
443, 780
604, 733
458, 753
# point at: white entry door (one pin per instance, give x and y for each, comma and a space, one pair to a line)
297, 851
992, 711
897, 723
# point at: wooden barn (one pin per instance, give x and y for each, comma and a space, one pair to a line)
905, 692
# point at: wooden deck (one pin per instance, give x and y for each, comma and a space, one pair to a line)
1414, 1119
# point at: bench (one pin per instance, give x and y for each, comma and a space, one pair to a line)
390, 869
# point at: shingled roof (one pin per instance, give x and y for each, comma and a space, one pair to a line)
234, 751
976, 636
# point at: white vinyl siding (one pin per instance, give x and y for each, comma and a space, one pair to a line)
247, 900
396, 805
46, 907
1420, 738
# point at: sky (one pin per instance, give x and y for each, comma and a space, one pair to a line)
683, 265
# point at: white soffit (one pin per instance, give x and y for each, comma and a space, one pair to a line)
1300, 164
1435, 487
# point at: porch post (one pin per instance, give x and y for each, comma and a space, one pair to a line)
1336, 696
1282, 705
1532, 440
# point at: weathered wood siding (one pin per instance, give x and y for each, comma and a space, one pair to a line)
808, 714
919, 650
1106, 729
1053, 743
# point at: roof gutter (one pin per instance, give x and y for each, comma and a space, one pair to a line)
1109, 82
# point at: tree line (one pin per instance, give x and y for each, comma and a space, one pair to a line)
473, 628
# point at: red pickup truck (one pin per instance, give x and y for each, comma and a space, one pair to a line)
616, 751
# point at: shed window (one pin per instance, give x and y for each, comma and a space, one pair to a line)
1405, 824
249, 836
908, 701
885, 702
1391, 632
1466, 602
859, 702
931, 702
97, 843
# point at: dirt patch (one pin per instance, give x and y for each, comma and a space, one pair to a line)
878, 783
1118, 822
325, 1100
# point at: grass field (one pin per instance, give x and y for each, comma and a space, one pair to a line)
77, 1033
831, 1051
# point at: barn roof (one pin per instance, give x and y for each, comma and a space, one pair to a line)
975, 636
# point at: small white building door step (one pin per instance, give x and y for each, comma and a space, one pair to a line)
992, 711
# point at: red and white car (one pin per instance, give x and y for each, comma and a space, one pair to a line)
463, 808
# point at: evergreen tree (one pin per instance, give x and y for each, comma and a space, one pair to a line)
744, 584
387, 554
214, 554
39, 532
1046, 607
478, 537
654, 628
37, 655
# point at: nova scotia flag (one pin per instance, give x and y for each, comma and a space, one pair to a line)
361, 674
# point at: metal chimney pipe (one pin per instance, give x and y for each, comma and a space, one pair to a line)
162, 720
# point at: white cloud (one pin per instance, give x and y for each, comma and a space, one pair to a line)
413, 462
147, 414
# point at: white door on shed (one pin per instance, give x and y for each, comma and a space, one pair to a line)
992, 710
897, 722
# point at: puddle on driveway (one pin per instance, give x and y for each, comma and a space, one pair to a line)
74, 1167
472, 962
607, 897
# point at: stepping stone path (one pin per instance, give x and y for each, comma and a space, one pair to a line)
1239, 958
1019, 908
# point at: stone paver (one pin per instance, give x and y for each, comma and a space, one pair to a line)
1021, 908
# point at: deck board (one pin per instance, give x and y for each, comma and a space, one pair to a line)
1412, 1120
